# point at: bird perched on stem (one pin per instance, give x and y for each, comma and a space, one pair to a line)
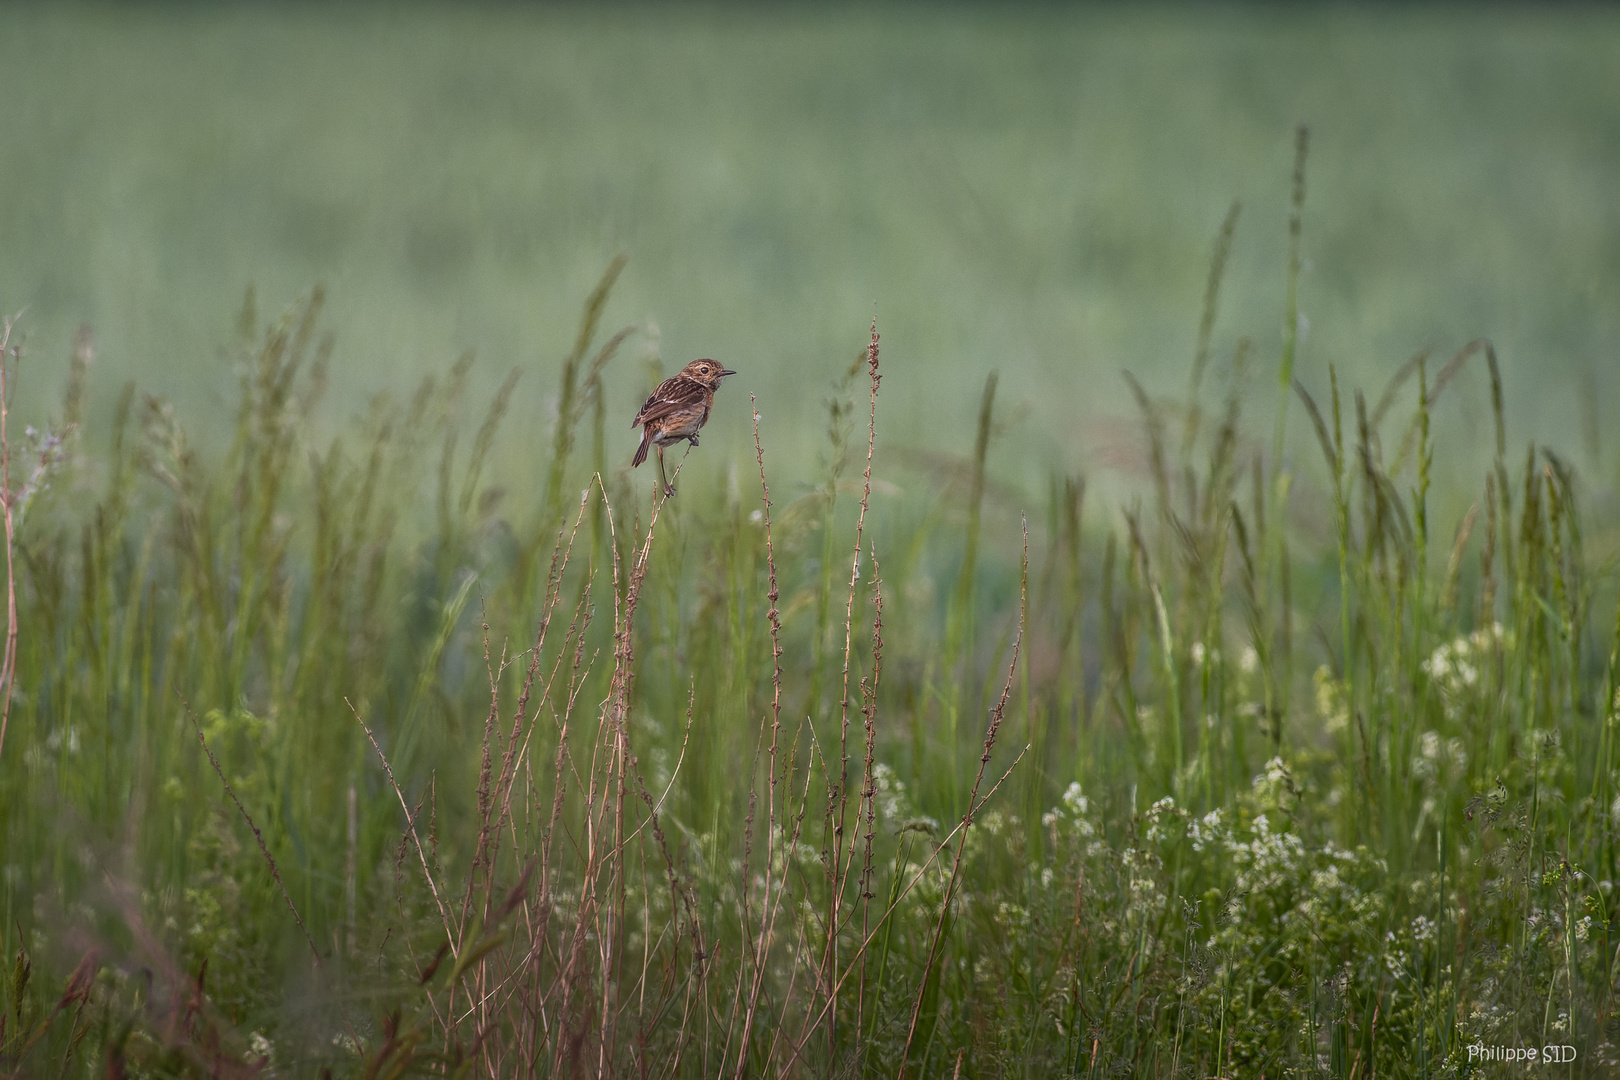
676, 410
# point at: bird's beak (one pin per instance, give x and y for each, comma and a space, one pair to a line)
726, 371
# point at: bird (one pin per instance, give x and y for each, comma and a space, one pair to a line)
677, 410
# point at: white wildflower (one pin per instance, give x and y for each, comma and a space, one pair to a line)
1075, 800
1206, 830
1156, 815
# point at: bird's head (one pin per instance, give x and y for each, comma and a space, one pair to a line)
707, 372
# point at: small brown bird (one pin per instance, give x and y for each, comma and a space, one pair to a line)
676, 410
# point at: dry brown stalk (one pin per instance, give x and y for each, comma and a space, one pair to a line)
996, 716
495, 792
8, 666
606, 795
489, 832
773, 616
774, 907
869, 688
901, 894
676, 893
482, 850
410, 825
839, 864
483, 855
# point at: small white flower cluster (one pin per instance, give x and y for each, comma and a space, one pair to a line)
55, 740
1141, 871
1269, 859
1276, 786
1332, 703
1070, 818
784, 851
1164, 820
895, 804
1207, 830
1454, 666
1435, 753
261, 1047
1075, 801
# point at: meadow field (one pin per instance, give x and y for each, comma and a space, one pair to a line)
1146, 607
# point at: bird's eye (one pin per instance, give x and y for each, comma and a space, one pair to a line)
703, 369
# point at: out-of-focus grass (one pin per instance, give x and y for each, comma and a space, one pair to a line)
1274, 766
1027, 189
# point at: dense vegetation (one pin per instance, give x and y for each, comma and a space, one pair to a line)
397, 754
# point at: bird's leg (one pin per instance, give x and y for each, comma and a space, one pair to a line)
668, 491
692, 438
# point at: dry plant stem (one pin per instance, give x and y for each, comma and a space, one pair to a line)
601, 857
559, 789
481, 852
869, 788
996, 716
678, 896
773, 616
654, 809
894, 906
517, 752
489, 832
548, 838
790, 842
483, 856
840, 864
494, 797
8, 667
410, 824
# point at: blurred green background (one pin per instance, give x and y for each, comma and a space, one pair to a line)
1034, 190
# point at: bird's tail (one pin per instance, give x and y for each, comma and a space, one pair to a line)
641, 453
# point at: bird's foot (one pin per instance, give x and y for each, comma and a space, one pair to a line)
692, 439
668, 491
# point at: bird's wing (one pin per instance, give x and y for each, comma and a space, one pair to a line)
672, 395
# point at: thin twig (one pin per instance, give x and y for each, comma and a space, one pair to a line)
869, 689
773, 616
410, 823
8, 667
894, 906
840, 865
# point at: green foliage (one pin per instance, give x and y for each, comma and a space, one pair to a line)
383, 755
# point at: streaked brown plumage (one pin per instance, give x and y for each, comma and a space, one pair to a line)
677, 410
